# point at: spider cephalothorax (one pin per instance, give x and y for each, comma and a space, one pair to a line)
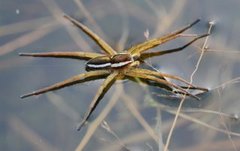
114, 66
116, 61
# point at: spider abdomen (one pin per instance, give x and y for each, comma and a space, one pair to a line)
105, 62
102, 62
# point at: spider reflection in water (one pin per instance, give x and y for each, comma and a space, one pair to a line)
117, 66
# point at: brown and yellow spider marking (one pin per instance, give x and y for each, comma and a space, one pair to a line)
115, 66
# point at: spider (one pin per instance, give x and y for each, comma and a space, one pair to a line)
118, 66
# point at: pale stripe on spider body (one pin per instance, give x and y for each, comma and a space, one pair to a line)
104, 62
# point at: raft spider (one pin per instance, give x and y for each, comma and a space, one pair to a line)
115, 66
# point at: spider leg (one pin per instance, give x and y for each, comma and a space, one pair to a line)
131, 73
71, 81
162, 75
100, 93
138, 49
108, 49
72, 55
146, 55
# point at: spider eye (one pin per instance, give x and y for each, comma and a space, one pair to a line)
98, 63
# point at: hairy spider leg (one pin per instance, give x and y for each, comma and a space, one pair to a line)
71, 55
71, 81
138, 49
162, 75
135, 74
107, 48
163, 52
100, 93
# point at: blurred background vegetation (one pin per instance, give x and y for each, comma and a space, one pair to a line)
139, 121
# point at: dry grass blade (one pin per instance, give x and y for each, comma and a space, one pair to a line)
85, 12
129, 103
23, 26
191, 80
30, 135
28, 38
